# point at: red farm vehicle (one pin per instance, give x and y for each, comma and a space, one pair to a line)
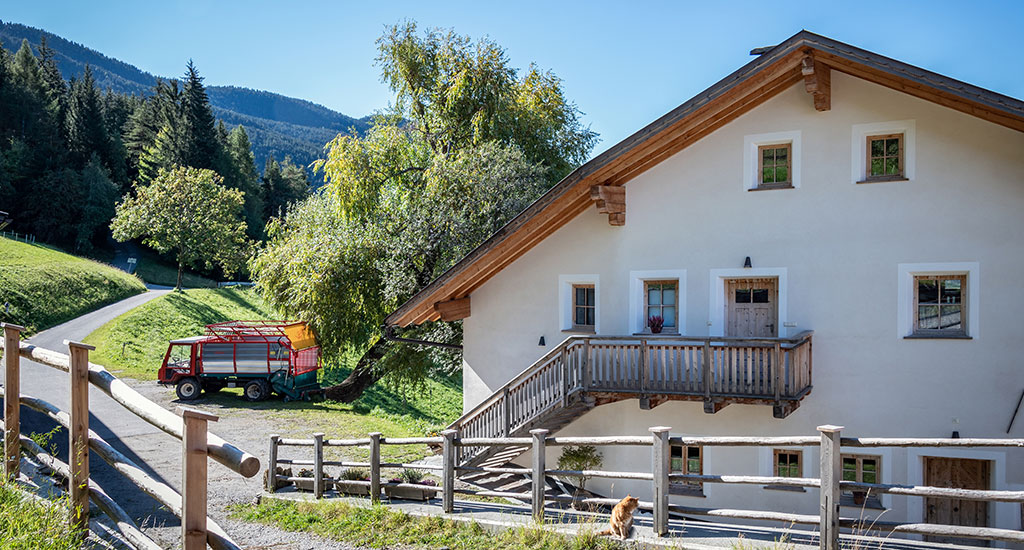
259, 356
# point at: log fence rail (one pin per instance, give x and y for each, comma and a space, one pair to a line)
830, 483
189, 426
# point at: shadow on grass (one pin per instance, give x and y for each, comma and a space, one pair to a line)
232, 295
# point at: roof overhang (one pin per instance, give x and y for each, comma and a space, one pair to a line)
764, 77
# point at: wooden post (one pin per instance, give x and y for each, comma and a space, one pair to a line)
375, 467
318, 465
272, 464
660, 453
78, 449
539, 486
831, 474
565, 375
586, 365
506, 413
706, 370
193, 478
12, 399
448, 471
643, 367
777, 367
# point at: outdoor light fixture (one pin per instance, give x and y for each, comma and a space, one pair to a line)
746, 263
541, 343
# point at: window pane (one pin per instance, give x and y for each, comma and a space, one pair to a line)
590, 296
669, 313
951, 291
951, 318
892, 147
877, 167
768, 175
869, 465
892, 166
767, 157
781, 174
927, 291
928, 317
693, 452
870, 477
781, 155
581, 296
692, 466
676, 464
581, 316
850, 475
760, 296
743, 296
877, 147
668, 297
677, 451
654, 295
652, 311
590, 316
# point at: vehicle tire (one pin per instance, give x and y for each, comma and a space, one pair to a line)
188, 389
256, 390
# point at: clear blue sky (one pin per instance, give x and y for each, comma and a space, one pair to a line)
623, 63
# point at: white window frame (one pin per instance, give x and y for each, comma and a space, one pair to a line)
638, 302
859, 151
718, 301
905, 294
565, 301
751, 177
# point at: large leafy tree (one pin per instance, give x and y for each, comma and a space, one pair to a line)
189, 213
468, 144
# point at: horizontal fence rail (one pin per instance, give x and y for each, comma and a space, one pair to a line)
659, 443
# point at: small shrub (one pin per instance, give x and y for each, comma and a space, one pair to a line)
580, 457
355, 474
410, 475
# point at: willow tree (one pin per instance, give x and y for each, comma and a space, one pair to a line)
468, 143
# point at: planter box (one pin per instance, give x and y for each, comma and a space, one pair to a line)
351, 487
407, 491
306, 484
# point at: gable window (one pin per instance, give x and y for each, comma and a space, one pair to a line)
774, 166
788, 463
661, 302
687, 459
584, 307
884, 158
939, 305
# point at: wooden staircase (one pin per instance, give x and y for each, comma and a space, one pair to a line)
586, 371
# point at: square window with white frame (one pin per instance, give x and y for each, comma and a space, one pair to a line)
884, 158
661, 306
940, 303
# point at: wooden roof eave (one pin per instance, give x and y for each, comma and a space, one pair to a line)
741, 91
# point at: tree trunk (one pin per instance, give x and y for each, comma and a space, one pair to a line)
180, 268
362, 377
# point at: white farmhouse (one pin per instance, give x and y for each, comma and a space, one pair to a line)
827, 235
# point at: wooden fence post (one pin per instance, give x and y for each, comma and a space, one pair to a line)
78, 449
318, 465
375, 467
194, 478
660, 454
539, 486
448, 471
12, 399
831, 474
272, 464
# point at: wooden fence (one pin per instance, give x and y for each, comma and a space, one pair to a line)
830, 483
189, 426
14, 236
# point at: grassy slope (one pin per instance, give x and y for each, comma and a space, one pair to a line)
46, 287
31, 525
154, 271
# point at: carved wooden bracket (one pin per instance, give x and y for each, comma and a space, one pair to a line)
818, 81
611, 200
453, 310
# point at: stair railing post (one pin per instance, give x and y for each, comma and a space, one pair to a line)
506, 413
831, 473
777, 367
565, 375
318, 465
12, 399
194, 477
78, 448
706, 370
660, 453
643, 367
586, 365
375, 467
272, 464
448, 471
538, 473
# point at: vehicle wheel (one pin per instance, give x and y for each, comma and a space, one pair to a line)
212, 386
188, 389
256, 390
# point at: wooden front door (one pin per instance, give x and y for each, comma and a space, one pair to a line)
752, 309
959, 473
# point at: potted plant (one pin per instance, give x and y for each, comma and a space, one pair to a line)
354, 481
655, 322
859, 497
400, 487
579, 457
306, 484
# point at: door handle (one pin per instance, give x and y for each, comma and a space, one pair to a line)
771, 327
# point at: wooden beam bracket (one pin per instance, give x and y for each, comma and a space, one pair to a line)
817, 81
611, 200
453, 310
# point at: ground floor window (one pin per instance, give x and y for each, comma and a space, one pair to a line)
861, 469
788, 463
687, 459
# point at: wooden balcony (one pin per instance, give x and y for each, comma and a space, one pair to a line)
587, 371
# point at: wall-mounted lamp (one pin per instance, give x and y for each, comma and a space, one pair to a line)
541, 342
746, 263
956, 434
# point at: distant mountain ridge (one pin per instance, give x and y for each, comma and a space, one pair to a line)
277, 125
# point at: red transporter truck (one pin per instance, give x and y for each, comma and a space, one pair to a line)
260, 356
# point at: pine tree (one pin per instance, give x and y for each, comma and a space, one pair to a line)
202, 147
271, 188
244, 177
56, 88
163, 154
85, 128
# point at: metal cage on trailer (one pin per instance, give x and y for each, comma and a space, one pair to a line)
260, 356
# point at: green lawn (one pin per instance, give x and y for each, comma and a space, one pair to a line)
133, 344
32, 525
152, 269
382, 527
41, 286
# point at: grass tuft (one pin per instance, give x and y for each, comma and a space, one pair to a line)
28, 524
